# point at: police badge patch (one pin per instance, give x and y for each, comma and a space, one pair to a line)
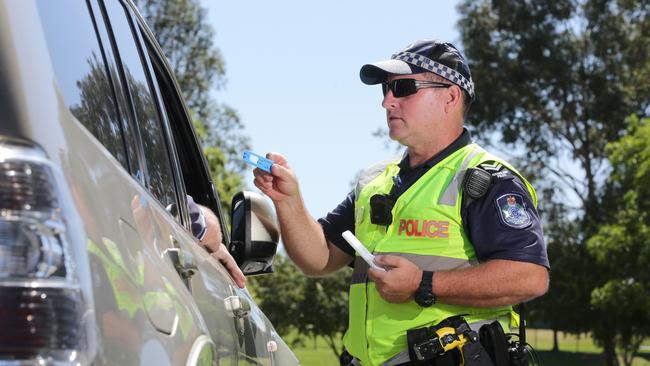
512, 210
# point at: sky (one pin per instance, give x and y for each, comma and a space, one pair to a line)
292, 70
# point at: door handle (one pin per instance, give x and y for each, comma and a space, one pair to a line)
237, 306
183, 261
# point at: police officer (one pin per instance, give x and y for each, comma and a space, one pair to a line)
456, 227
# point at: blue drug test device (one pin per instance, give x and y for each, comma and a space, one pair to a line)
258, 161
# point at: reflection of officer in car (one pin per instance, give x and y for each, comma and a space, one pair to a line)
455, 226
206, 228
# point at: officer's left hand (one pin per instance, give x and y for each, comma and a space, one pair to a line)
399, 283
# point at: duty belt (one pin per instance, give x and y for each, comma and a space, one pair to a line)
403, 358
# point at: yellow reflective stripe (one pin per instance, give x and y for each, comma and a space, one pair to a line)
372, 172
432, 263
514, 319
450, 195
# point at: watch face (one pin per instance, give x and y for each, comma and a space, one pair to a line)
425, 299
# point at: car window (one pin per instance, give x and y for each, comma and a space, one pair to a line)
192, 165
81, 72
128, 130
158, 178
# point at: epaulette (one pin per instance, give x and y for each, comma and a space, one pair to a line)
497, 170
478, 180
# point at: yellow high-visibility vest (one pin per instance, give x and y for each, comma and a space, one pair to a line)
427, 229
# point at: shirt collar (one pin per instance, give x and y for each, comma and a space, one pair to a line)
463, 140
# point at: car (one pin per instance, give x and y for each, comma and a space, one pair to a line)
98, 156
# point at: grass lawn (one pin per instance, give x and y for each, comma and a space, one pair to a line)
574, 351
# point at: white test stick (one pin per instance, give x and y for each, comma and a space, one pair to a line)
365, 254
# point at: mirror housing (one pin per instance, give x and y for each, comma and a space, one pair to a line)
255, 233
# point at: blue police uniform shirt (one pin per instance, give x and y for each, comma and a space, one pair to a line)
503, 224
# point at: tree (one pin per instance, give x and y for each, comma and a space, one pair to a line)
229, 182
564, 293
280, 295
556, 80
622, 247
187, 40
325, 308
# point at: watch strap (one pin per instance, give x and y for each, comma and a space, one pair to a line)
424, 295
427, 281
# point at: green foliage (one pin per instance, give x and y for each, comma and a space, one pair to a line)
630, 159
556, 81
229, 182
316, 307
567, 290
279, 295
559, 78
623, 306
622, 246
325, 308
187, 39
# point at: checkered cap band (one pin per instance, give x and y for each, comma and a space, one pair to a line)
436, 68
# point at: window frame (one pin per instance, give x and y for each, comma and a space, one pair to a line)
111, 63
179, 128
129, 116
125, 107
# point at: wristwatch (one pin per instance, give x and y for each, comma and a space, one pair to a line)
424, 295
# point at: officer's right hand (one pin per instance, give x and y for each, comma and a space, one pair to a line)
281, 184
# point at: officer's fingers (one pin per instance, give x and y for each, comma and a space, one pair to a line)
282, 172
259, 173
277, 158
381, 289
378, 276
372, 274
262, 184
389, 261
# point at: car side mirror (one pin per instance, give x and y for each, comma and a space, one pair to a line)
255, 234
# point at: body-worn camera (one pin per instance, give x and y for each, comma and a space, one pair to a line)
381, 209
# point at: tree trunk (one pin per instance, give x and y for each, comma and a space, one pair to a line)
609, 351
556, 348
630, 351
332, 343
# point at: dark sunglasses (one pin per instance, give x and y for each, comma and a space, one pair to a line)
405, 87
